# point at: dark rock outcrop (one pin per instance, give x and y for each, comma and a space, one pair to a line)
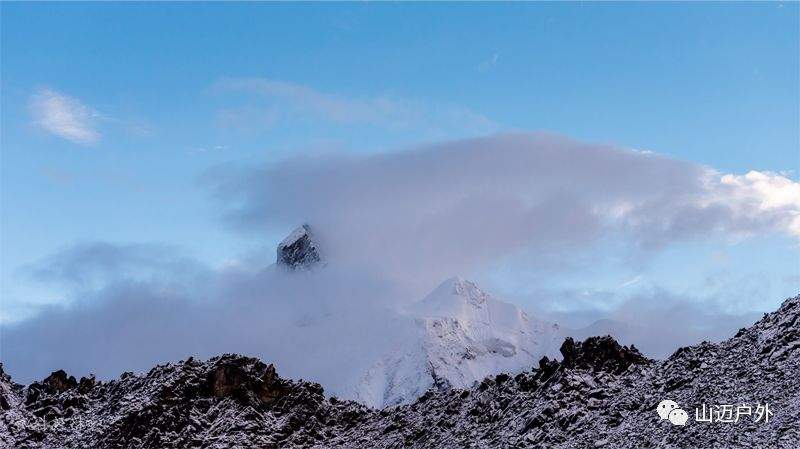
600, 354
299, 250
59, 381
237, 377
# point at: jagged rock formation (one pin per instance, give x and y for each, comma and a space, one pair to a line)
298, 249
228, 401
599, 354
600, 395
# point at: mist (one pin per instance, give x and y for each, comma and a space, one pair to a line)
323, 326
391, 227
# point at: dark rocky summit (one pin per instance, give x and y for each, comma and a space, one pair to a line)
600, 354
298, 249
601, 395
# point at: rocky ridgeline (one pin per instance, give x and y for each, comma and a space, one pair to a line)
227, 401
600, 395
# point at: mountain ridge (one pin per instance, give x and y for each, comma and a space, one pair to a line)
601, 394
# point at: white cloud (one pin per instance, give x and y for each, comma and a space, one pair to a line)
64, 116
766, 193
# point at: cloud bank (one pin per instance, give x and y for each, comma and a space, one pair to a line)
461, 206
392, 226
136, 305
652, 318
64, 116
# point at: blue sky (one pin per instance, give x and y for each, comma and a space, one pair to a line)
168, 92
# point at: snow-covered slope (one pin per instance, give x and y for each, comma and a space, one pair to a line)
463, 335
14, 418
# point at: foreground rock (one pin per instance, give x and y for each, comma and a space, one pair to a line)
228, 401
601, 395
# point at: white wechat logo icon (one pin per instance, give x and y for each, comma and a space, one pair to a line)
678, 417
669, 410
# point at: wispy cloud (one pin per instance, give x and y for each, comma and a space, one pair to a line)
630, 282
656, 320
85, 264
329, 106
64, 116
208, 149
287, 100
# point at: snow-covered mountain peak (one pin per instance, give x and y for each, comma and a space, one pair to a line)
298, 233
455, 297
462, 300
464, 334
461, 288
